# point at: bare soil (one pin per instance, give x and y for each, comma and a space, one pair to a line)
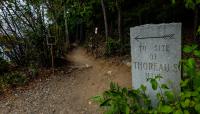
69, 92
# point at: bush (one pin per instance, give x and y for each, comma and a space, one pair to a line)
12, 79
32, 72
112, 46
119, 100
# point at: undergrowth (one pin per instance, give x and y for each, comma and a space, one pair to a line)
10, 78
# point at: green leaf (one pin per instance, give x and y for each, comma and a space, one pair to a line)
191, 63
169, 95
127, 110
143, 87
158, 95
173, 2
190, 4
178, 112
192, 103
186, 112
194, 46
124, 91
111, 110
105, 103
164, 86
166, 109
198, 2
197, 108
188, 94
187, 49
185, 103
184, 83
198, 30
97, 99
197, 80
198, 89
112, 86
197, 53
154, 84
195, 93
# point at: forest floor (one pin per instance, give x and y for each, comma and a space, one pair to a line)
69, 91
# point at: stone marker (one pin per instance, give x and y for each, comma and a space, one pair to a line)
156, 50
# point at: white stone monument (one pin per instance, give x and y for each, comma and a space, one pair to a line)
156, 50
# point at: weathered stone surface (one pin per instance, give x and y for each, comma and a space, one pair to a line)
156, 50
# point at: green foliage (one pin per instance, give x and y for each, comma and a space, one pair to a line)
192, 3
119, 100
28, 30
189, 48
32, 71
12, 79
112, 46
198, 31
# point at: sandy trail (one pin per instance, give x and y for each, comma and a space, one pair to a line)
69, 93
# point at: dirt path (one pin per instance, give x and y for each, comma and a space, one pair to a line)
69, 93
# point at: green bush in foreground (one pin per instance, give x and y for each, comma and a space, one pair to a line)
119, 100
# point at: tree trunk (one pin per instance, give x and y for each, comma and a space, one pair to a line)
119, 25
196, 22
66, 30
105, 19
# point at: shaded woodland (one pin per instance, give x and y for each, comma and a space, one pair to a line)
26, 25
37, 34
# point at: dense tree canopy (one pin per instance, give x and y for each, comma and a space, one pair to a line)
26, 25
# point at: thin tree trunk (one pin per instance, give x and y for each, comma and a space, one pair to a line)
66, 29
196, 22
119, 24
119, 21
77, 33
105, 19
81, 32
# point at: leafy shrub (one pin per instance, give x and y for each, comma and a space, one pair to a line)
112, 46
32, 71
14, 79
119, 100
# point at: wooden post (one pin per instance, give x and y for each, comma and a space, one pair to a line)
51, 42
